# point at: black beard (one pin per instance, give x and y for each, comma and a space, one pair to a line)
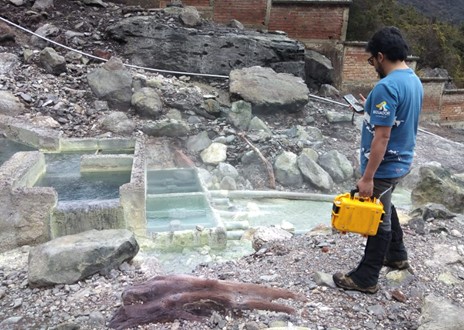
381, 73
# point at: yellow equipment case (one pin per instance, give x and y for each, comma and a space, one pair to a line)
354, 214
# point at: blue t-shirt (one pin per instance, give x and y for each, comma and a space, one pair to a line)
395, 101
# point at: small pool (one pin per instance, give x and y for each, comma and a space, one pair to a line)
9, 148
63, 174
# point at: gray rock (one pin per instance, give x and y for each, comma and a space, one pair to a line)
342, 116
319, 69
240, 115
267, 90
434, 211
95, 3
236, 24
264, 235
96, 320
11, 322
148, 42
286, 169
250, 157
198, 142
212, 106
228, 183
337, 165
225, 169
166, 127
52, 62
190, 16
10, 105
214, 154
43, 5
440, 314
324, 279
256, 124
46, 30
437, 185
314, 174
311, 153
17, 2
147, 102
68, 259
112, 83
118, 122
327, 90
292, 67
8, 62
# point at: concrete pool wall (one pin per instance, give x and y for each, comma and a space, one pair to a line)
31, 215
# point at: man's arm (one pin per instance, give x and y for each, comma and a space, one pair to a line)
378, 149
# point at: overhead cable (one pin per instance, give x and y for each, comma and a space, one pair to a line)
104, 60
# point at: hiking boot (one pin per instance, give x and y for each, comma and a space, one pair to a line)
399, 265
345, 282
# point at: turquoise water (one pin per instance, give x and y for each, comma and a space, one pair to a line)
63, 174
178, 212
303, 214
9, 148
172, 181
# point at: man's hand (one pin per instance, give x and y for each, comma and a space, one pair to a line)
362, 99
366, 187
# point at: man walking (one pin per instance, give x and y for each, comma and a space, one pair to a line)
391, 116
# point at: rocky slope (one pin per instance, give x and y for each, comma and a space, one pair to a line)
65, 103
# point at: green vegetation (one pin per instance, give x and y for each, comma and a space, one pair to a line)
437, 44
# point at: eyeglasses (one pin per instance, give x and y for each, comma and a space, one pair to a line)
370, 60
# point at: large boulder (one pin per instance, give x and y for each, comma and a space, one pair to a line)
148, 42
438, 185
318, 69
286, 169
440, 313
68, 259
337, 165
147, 102
267, 90
113, 83
313, 173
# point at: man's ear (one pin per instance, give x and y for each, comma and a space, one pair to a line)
380, 57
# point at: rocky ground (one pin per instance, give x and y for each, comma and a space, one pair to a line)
436, 250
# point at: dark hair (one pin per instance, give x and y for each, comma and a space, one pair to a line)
390, 43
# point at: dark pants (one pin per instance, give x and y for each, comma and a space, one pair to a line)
386, 244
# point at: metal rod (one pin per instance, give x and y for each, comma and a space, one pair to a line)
328, 100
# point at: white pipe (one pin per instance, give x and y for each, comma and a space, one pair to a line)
237, 194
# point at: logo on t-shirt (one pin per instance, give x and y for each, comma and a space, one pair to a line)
382, 109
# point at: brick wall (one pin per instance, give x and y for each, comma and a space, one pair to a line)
251, 13
433, 91
452, 106
199, 3
357, 76
305, 21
